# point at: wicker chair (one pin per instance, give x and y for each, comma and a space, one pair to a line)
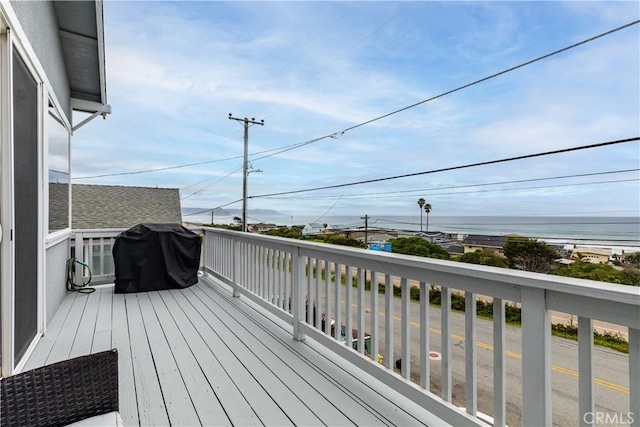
61, 393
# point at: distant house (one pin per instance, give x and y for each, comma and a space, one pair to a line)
378, 234
261, 227
490, 244
433, 236
592, 255
453, 248
313, 228
111, 206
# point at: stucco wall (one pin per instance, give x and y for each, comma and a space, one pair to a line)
38, 21
56, 276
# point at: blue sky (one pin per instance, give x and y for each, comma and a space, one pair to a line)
175, 70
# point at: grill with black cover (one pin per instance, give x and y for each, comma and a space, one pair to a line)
151, 257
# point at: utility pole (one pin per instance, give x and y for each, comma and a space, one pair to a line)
366, 228
246, 124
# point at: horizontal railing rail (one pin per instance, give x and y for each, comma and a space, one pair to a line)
307, 284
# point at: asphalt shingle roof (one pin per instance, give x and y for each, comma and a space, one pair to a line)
489, 241
110, 206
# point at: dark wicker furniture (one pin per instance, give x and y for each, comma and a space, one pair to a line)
61, 393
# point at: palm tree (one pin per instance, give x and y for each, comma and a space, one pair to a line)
427, 209
421, 203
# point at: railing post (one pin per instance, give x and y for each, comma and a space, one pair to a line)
471, 386
445, 325
536, 358
297, 294
203, 255
80, 257
634, 376
236, 268
585, 369
499, 364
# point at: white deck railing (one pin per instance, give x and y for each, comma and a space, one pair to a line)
299, 281
94, 247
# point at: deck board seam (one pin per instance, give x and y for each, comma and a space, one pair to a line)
232, 330
125, 322
131, 300
213, 354
303, 379
162, 297
164, 335
49, 340
321, 372
82, 305
348, 391
249, 371
155, 368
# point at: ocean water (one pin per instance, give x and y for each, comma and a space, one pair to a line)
598, 231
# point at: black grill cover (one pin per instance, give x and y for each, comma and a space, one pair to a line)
151, 257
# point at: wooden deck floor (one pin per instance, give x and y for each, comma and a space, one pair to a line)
200, 357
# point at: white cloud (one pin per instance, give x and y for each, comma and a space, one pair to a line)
176, 69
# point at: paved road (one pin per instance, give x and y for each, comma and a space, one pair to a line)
611, 368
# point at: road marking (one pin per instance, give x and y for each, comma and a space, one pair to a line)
509, 353
519, 357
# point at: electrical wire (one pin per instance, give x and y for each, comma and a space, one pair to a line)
212, 209
421, 190
489, 162
215, 182
328, 210
283, 149
492, 76
457, 89
354, 197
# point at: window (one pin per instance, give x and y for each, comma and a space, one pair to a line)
58, 160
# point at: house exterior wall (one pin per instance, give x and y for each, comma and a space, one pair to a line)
56, 276
38, 21
488, 249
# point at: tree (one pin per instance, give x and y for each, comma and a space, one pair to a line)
529, 254
290, 232
421, 203
419, 247
427, 209
633, 259
483, 258
601, 273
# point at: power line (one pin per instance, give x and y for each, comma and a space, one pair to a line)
212, 209
616, 181
328, 210
367, 195
457, 89
215, 182
492, 76
156, 170
279, 150
490, 162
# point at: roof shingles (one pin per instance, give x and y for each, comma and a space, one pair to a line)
109, 206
